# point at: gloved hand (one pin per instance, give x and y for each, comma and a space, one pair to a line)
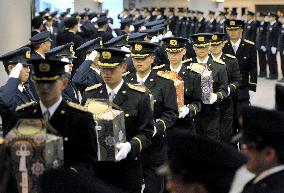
160, 37
154, 40
183, 112
124, 48
15, 72
251, 94
131, 28
273, 50
143, 28
66, 68
124, 149
92, 55
155, 131
229, 91
168, 34
213, 98
263, 48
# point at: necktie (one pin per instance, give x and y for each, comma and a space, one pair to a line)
111, 96
235, 48
46, 115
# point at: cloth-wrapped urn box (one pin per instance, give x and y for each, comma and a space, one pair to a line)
110, 127
206, 80
33, 151
179, 85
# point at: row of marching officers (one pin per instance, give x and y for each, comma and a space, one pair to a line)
208, 109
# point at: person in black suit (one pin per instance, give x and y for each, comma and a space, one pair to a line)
200, 25
172, 19
261, 140
272, 36
281, 47
250, 27
159, 14
165, 111
41, 43
211, 23
227, 107
37, 24
88, 73
48, 26
102, 23
127, 170
260, 44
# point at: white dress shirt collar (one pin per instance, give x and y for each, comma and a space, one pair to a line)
216, 58
268, 172
237, 44
204, 61
96, 70
177, 69
40, 54
273, 22
116, 89
142, 80
52, 108
21, 87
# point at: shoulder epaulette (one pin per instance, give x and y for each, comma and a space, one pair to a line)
226, 41
230, 56
76, 106
158, 67
23, 106
137, 87
93, 87
125, 73
219, 61
248, 41
188, 60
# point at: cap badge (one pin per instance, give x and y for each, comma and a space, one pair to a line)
71, 48
138, 47
232, 23
173, 42
214, 37
106, 55
28, 54
146, 38
201, 38
101, 43
127, 38
44, 67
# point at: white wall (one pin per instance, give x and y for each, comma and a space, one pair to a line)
15, 30
79, 5
250, 4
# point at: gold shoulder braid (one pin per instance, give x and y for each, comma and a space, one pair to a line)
137, 87
93, 87
76, 106
23, 106
126, 73
188, 60
158, 67
230, 56
249, 42
219, 61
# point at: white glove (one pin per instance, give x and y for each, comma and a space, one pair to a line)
263, 48
131, 28
64, 59
183, 112
229, 91
273, 50
143, 28
94, 19
160, 37
251, 94
154, 40
168, 34
92, 55
15, 72
124, 48
155, 131
124, 149
213, 98
66, 68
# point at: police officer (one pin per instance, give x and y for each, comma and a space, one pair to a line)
220, 23
88, 72
37, 24
272, 36
260, 44
41, 44
172, 19
17, 89
200, 25
234, 79
209, 118
211, 23
53, 30
127, 171
175, 49
281, 46
198, 164
165, 111
250, 27
262, 141
102, 32
245, 52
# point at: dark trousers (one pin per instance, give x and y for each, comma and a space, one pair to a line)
282, 61
154, 183
226, 120
271, 59
262, 62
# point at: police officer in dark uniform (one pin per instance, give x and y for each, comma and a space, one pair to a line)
211, 23
172, 19
209, 117
245, 52
165, 111
102, 32
127, 170
41, 44
234, 78
88, 72
17, 89
37, 24
272, 36
260, 44
200, 25
250, 27
48, 26
175, 49
220, 23
261, 139
281, 47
